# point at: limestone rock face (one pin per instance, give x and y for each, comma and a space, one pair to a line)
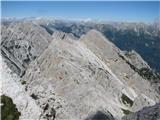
72, 79
136, 59
21, 43
12, 87
62, 77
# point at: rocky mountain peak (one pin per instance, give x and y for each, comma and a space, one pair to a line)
69, 77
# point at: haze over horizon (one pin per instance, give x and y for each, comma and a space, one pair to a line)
135, 11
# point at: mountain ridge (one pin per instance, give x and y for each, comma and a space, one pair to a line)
74, 77
63, 51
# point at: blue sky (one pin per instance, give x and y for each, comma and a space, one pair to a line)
109, 11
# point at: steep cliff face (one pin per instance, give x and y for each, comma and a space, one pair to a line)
21, 43
72, 79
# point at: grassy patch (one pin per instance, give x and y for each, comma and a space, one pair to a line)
126, 100
23, 82
126, 112
149, 74
8, 109
34, 96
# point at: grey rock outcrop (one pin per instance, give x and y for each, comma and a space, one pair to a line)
66, 77
11, 86
136, 59
74, 78
21, 43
